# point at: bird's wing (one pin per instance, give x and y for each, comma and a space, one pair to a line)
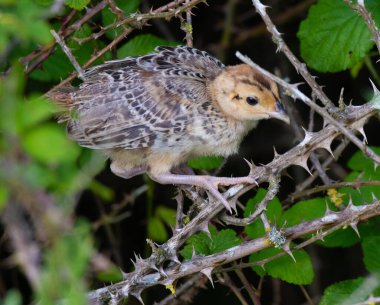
171, 61
139, 102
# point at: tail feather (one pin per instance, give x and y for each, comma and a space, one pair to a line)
63, 98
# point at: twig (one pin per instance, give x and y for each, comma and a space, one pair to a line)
227, 281
282, 18
127, 31
300, 67
306, 294
274, 185
356, 184
69, 55
185, 293
247, 285
74, 27
336, 220
188, 28
336, 154
139, 20
366, 15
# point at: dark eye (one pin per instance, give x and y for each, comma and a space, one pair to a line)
252, 100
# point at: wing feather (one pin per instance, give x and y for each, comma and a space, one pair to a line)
139, 102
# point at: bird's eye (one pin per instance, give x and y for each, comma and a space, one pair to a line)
251, 100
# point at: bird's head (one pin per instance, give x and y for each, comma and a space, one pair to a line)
246, 95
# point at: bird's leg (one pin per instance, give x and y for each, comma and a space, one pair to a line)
183, 169
209, 183
128, 173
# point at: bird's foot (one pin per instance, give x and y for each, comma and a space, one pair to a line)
208, 183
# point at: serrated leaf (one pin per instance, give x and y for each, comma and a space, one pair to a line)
305, 210
77, 4
143, 44
156, 230
371, 253
223, 240
334, 37
300, 272
200, 242
206, 162
49, 144
204, 245
349, 292
273, 213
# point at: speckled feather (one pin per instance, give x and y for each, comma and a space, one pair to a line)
156, 111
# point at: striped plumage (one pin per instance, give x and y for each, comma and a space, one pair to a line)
151, 113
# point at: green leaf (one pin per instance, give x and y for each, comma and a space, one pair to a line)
77, 4
142, 44
64, 268
371, 252
359, 162
35, 111
199, 242
204, 245
342, 238
49, 144
3, 197
55, 68
349, 292
12, 297
166, 214
304, 211
300, 272
206, 163
108, 17
156, 230
273, 213
112, 274
334, 37
102, 190
223, 240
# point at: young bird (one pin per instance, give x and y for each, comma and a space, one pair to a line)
152, 113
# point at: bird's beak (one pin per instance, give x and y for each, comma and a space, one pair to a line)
280, 113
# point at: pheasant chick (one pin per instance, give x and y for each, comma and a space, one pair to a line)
152, 113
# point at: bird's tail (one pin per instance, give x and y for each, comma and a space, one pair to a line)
63, 98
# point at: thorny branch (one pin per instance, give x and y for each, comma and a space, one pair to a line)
366, 15
135, 282
149, 272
